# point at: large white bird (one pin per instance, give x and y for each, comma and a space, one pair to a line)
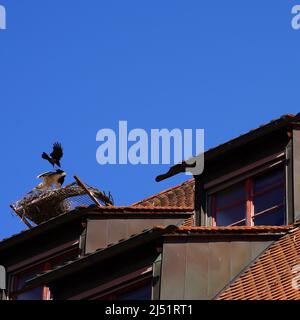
51, 178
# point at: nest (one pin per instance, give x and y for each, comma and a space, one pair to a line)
42, 205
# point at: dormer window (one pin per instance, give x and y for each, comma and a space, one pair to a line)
257, 200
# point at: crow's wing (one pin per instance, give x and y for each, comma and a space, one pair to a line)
57, 152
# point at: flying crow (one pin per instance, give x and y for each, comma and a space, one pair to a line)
51, 178
55, 156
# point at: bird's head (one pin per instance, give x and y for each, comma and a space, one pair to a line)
61, 172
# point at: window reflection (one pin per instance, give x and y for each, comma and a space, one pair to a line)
259, 200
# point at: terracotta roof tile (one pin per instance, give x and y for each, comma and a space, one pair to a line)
189, 222
188, 229
254, 229
273, 276
179, 196
143, 209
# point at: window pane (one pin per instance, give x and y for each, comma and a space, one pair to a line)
230, 205
230, 195
231, 215
273, 218
268, 179
268, 200
269, 191
263, 192
142, 293
35, 294
22, 278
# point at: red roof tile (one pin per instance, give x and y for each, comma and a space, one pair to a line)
189, 222
142, 209
273, 276
188, 229
179, 196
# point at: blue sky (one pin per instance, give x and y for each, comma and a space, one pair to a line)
69, 68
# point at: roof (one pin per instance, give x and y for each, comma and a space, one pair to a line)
99, 255
42, 227
142, 209
179, 196
273, 276
239, 141
92, 211
145, 236
190, 230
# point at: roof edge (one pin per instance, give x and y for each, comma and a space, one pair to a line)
136, 240
268, 128
91, 210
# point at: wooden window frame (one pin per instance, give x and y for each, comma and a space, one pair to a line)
44, 257
139, 283
249, 195
45, 264
15, 292
249, 170
110, 287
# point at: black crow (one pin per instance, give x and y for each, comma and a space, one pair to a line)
55, 156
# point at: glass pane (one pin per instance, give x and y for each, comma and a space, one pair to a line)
268, 199
142, 293
26, 276
272, 218
231, 215
230, 195
269, 191
266, 180
35, 294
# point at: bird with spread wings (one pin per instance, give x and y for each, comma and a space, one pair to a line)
55, 155
57, 177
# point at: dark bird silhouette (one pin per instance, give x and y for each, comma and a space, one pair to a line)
55, 156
